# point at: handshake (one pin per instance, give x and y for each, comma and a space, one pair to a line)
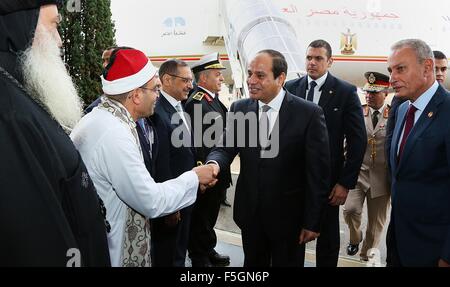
207, 175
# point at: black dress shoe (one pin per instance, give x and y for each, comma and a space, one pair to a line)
352, 249
217, 259
225, 203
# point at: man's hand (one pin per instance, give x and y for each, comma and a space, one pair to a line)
443, 263
338, 195
307, 236
206, 175
216, 168
172, 219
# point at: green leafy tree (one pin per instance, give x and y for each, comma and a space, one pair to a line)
86, 30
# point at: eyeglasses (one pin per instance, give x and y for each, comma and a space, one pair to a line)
185, 80
154, 90
442, 69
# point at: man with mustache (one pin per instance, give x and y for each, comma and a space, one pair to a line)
204, 99
283, 182
373, 181
170, 234
109, 143
50, 214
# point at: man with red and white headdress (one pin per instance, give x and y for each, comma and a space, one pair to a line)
109, 144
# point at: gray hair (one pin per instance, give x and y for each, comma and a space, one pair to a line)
198, 75
420, 48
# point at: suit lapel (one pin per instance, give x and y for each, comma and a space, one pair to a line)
400, 119
426, 118
283, 115
327, 91
155, 140
301, 88
216, 105
282, 120
170, 110
252, 107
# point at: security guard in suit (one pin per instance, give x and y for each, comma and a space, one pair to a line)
204, 99
373, 184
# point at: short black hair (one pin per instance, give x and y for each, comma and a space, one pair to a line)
322, 44
439, 55
170, 67
279, 63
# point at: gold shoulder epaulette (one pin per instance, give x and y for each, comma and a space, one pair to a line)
198, 96
366, 110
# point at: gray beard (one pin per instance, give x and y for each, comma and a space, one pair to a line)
46, 78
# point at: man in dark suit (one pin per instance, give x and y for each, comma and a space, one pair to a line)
283, 184
170, 234
419, 231
345, 121
441, 67
204, 100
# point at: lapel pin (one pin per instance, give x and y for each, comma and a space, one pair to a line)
331, 92
430, 114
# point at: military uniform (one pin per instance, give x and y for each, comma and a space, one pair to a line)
203, 239
373, 183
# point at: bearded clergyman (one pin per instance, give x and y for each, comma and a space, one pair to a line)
50, 213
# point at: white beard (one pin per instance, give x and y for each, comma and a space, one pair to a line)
46, 78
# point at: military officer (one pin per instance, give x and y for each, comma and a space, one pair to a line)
373, 184
204, 99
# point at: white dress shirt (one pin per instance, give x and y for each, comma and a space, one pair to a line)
317, 90
275, 106
380, 112
420, 104
177, 106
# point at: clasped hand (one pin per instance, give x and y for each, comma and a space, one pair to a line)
207, 175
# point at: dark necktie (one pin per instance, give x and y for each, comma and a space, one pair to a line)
264, 126
310, 97
375, 118
146, 129
409, 123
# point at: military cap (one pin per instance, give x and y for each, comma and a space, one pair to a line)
376, 82
208, 62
